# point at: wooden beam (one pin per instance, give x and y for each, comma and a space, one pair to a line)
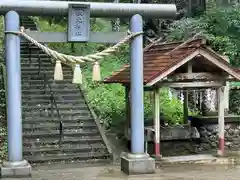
195, 76
185, 85
60, 37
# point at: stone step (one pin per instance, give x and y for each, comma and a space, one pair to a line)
46, 107
55, 91
33, 102
48, 97
35, 65
26, 62
28, 23
32, 52
35, 79
57, 96
36, 59
41, 81
66, 119
56, 133
26, 19
60, 106
67, 140
26, 46
31, 27
54, 85
67, 157
66, 128
54, 125
29, 60
35, 56
43, 69
65, 148
34, 75
47, 113
48, 70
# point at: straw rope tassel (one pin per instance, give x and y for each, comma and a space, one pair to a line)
58, 73
96, 76
77, 75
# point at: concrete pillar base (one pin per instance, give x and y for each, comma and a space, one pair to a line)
133, 164
16, 169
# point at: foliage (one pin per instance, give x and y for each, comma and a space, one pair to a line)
221, 28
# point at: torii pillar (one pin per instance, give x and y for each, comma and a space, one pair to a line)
137, 162
15, 166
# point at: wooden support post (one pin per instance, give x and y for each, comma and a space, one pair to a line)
226, 97
185, 107
226, 90
221, 120
157, 122
185, 95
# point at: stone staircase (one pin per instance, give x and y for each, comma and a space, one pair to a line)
58, 124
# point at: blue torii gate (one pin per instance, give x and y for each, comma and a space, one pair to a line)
133, 163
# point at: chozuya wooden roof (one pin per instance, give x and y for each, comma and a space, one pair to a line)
162, 60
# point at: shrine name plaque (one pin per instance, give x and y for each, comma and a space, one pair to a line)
78, 22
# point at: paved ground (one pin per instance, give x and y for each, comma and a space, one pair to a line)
180, 172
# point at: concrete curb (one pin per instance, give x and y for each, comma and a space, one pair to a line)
198, 159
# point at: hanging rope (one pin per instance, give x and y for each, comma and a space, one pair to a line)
76, 60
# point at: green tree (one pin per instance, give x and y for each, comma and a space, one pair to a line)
221, 27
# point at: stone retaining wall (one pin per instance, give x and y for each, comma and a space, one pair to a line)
208, 141
209, 136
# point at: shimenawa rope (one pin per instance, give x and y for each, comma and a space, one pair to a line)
76, 60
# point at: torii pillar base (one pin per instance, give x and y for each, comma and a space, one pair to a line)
20, 169
133, 164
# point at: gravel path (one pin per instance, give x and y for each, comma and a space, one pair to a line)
180, 172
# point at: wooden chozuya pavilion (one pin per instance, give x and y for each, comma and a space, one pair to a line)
189, 65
